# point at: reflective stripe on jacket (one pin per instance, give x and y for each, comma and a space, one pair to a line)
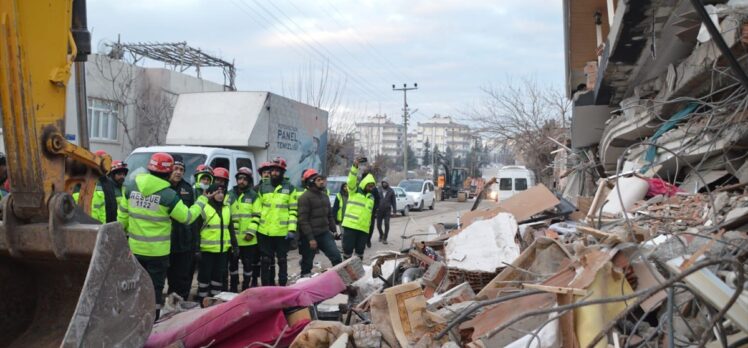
214, 235
146, 214
242, 212
360, 205
277, 207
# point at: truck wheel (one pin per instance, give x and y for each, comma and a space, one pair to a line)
406, 210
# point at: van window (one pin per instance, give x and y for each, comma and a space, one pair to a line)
137, 163
505, 184
220, 162
520, 184
243, 162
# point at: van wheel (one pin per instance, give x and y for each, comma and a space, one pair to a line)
420, 206
406, 210
432, 204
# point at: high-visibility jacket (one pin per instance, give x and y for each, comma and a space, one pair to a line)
340, 203
360, 204
277, 207
215, 236
98, 208
151, 204
242, 212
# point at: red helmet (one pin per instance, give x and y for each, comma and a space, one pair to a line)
101, 153
221, 173
119, 166
310, 173
203, 169
244, 171
279, 162
265, 166
161, 162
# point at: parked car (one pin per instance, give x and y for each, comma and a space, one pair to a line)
420, 191
512, 180
334, 183
404, 202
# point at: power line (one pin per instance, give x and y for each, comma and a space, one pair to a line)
263, 21
362, 62
331, 58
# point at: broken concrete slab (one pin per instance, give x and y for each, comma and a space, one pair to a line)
484, 246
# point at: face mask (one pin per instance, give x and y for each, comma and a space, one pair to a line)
204, 186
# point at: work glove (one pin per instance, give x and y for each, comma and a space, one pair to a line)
313, 244
291, 235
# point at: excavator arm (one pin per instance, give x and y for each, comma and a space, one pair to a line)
64, 279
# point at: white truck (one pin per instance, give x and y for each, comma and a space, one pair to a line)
237, 129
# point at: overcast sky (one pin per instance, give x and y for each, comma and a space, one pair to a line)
449, 47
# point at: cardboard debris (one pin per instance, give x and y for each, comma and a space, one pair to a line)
544, 257
406, 306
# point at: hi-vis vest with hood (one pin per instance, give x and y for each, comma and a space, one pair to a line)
242, 212
214, 235
359, 208
278, 209
146, 214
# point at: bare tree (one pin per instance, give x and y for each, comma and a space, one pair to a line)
524, 116
128, 86
318, 86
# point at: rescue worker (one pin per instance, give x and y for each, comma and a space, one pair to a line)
338, 208
203, 178
217, 240
387, 207
276, 223
221, 176
184, 237
151, 204
241, 198
118, 174
98, 206
3, 174
316, 223
358, 212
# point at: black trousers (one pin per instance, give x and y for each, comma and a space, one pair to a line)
273, 249
249, 255
156, 268
211, 273
371, 226
325, 243
354, 240
383, 217
179, 275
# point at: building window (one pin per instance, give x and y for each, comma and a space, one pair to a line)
103, 119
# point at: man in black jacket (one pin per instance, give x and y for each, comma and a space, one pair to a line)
316, 223
387, 206
183, 237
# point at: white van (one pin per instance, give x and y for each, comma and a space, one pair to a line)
511, 180
421, 191
192, 157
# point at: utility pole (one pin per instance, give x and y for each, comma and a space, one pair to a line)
405, 90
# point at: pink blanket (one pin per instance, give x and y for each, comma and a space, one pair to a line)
255, 315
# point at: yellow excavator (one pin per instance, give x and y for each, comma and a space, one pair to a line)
65, 280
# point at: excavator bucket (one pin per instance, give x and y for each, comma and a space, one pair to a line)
71, 284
